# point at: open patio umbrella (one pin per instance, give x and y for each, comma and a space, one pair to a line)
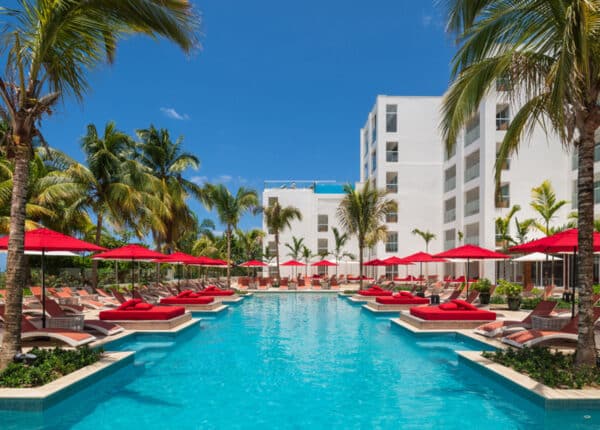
423, 257
131, 253
536, 257
397, 261
471, 252
324, 263
179, 258
253, 263
293, 263
46, 241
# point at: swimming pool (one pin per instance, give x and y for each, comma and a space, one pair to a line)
296, 361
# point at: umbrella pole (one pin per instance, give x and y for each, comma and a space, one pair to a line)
43, 267
468, 273
132, 276
573, 283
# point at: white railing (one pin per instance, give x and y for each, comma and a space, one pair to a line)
472, 172
450, 183
472, 207
450, 215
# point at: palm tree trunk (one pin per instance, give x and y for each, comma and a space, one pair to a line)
277, 254
360, 263
586, 345
228, 256
97, 242
15, 265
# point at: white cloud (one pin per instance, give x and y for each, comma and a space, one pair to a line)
173, 114
199, 180
224, 179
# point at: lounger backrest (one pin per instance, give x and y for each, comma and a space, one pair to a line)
53, 309
472, 296
119, 296
543, 308
36, 291
26, 325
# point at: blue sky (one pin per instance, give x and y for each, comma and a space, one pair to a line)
278, 91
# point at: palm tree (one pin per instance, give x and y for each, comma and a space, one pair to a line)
306, 255
546, 205
277, 219
362, 213
295, 247
230, 209
522, 229
339, 242
251, 243
426, 235
49, 48
547, 53
503, 231
167, 162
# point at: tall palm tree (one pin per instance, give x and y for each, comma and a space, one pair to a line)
339, 242
167, 162
546, 204
362, 213
306, 255
547, 52
426, 235
49, 48
250, 242
277, 219
230, 209
522, 229
295, 247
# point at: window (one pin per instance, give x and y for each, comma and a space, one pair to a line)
472, 234
321, 270
391, 182
272, 248
450, 179
502, 117
574, 195
472, 130
373, 160
391, 152
322, 246
366, 141
391, 217
472, 166
366, 171
503, 196
373, 129
450, 210
391, 243
449, 154
596, 191
503, 83
322, 223
505, 163
449, 239
472, 202
391, 271
391, 118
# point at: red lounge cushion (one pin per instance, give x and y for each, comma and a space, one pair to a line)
405, 293
142, 306
193, 296
464, 305
434, 313
217, 292
201, 300
400, 300
449, 306
129, 304
185, 293
371, 293
211, 288
156, 313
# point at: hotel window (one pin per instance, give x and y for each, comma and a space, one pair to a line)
366, 141
502, 117
505, 163
321, 270
449, 239
596, 191
322, 246
373, 129
366, 171
503, 196
450, 210
391, 271
391, 243
391, 182
391, 217
373, 160
472, 166
472, 202
322, 221
472, 130
272, 248
450, 179
449, 154
472, 234
391, 152
574, 195
391, 118
503, 83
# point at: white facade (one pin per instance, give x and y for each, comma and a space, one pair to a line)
400, 151
318, 201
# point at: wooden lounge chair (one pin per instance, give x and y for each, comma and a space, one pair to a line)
544, 308
55, 312
528, 338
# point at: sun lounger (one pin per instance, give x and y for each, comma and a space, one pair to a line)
458, 310
402, 298
187, 297
59, 316
375, 291
544, 308
213, 290
135, 310
529, 338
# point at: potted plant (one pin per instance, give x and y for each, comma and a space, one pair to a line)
512, 292
484, 286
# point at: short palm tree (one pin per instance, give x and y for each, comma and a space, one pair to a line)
362, 213
426, 235
546, 53
230, 209
522, 229
503, 231
250, 242
306, 255
295, 247
339, 242
546, 204
277, 219
49, 47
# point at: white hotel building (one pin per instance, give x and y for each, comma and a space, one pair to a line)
448, 194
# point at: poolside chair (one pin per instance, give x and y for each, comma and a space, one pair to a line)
262, 283
283, 284
528, 338
301, 283
543, 308
333, 283
243, 283
70, 337
472, 296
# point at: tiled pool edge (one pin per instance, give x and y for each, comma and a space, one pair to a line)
40, 398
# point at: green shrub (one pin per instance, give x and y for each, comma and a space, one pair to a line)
530, 302
596, 289
50, 364
401, 288
555, 370
497, 300
508, 289
483, 285
537, 292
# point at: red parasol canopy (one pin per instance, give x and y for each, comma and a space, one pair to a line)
375, 262
563, 242
253, 263
43, 239
179, 258
324, 263
131, 252
423, 257
395, 261
472, 252
293, 263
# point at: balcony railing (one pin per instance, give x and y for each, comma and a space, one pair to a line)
503, 202
450, 215
391, 247
471, 135
471, 207
450, 184
472, 240
472, 172
391, 156
449, 244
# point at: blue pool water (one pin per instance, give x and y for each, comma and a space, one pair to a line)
296, 362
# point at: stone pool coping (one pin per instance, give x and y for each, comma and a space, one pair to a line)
277, 290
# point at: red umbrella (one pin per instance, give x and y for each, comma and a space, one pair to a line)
324, 263
375, 262
563, 242
423, 257
178, 258
133, 253
46, 240
253, 263
471, 252
293, 263
395, 261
